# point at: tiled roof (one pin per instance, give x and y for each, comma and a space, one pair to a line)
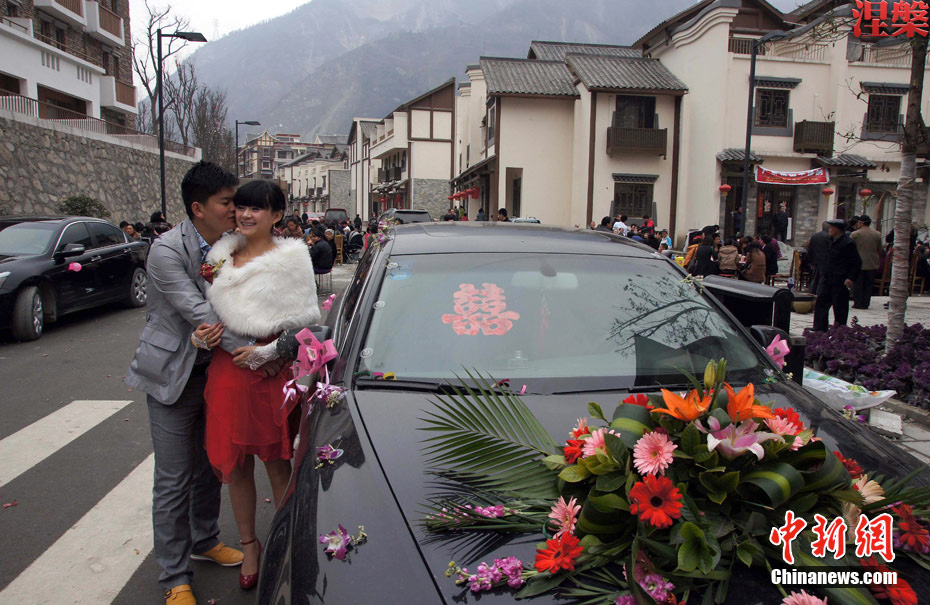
556, 51
332, 139
369, 129
526, 77
624, 73
734, 154
847, 159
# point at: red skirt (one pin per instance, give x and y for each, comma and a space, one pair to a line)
244, 415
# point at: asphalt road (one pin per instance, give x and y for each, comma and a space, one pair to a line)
76, 461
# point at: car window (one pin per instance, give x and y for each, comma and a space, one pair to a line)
26, 238
526, 316
75, 233
353, 293
106, 235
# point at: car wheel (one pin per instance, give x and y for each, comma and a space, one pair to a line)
28, 314
137, 285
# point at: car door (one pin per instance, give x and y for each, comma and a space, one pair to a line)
74, 289
115, 261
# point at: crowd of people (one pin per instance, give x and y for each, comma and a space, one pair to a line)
146, 231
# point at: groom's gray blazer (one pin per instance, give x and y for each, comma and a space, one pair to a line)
177, 304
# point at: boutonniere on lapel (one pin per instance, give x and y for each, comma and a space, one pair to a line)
210, 270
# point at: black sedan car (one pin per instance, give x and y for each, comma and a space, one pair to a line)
576, 316
50, 266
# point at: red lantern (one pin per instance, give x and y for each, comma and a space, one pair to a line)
382, 198
865, 192
475, 192
450, 197
828, 192
725, 188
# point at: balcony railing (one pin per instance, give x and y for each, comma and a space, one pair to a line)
782, 49
18, 24
637, 140
110, 21
58, 115
71, 11
814, 137
396, 173
75, 6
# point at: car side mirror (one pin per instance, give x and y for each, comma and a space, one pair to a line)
794, 361
70, 250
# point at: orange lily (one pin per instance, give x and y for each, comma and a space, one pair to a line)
741, 407
685, 408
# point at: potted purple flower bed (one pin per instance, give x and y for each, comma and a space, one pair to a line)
857, 354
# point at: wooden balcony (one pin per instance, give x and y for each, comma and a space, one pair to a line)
71, 11
814, 137
103, 24
637, 140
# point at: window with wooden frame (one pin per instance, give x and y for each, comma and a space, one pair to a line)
492, 121
635, 112
632, 199
772, 107
883, 113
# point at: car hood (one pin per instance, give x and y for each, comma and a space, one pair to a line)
392, 420
7, 260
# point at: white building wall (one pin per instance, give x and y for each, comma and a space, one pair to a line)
537, 136
581, 110
430, 160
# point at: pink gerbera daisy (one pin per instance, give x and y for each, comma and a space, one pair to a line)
653, 453
595, 442
565, 516
803, 598
784, 426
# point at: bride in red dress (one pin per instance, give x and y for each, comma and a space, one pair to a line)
262, 285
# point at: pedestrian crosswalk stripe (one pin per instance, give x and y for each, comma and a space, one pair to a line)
26, 448
94, 559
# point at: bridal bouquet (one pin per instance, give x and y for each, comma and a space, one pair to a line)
666, 499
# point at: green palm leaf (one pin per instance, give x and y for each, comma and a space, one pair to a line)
491, 440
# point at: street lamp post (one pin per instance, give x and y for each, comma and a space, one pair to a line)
190, 37
772, 35
247, 123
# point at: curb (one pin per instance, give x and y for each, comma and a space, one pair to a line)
914, 413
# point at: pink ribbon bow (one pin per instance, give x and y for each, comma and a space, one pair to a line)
313, 355
778, 349
293, 392
328, 303
75, 267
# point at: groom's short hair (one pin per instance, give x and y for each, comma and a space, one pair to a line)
202, 182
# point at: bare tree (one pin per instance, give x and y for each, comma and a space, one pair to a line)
914, 135
209, 128
145, 55
182, 89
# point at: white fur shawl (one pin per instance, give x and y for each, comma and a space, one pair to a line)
272, 292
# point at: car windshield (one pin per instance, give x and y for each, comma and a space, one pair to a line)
603, 321
26, 238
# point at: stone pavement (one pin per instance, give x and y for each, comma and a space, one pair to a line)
916, 423
918, 311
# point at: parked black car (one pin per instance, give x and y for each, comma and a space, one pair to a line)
404, 217
592, 316
38, 280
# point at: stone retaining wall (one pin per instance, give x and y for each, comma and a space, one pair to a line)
431, 195
39, 166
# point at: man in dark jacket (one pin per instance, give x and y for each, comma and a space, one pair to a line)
780, 223
839, 275
320, 252
818, 250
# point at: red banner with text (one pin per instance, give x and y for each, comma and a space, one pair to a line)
817, 176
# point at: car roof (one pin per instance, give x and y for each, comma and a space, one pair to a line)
50, 219
466, 236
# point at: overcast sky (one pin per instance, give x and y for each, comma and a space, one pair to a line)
216, 18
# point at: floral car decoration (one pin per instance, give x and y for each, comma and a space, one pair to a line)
665, 500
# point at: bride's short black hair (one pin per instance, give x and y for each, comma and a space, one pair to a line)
260, 194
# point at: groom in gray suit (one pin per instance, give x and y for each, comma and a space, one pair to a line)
172, 372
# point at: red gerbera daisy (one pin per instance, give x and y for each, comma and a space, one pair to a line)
558, 554
899, 594
573, 449
656, 500
855, 471
913, 536
905, 511
791, 416
639, 399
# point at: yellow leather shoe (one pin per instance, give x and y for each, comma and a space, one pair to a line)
221, 555
180, 595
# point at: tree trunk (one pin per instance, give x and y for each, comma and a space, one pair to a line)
913, 134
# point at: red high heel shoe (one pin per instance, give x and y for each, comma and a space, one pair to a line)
248, 582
